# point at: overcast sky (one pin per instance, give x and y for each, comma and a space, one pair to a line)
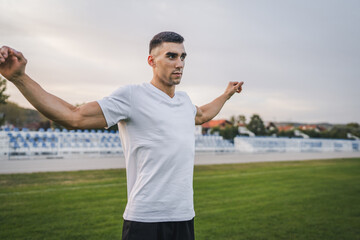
300, 60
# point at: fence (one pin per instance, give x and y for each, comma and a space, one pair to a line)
56, 143
273, 144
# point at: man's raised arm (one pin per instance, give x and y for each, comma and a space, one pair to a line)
209, 111
12, 67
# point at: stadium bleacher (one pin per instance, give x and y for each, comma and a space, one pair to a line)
55, 143
283, 144
62, 143
212, 143
58, 143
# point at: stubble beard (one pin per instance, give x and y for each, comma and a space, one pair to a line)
176, 81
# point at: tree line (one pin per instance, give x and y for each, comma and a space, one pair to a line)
257, 126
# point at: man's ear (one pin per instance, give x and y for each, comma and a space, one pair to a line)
151, 61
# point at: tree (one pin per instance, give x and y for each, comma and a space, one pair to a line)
312, 133
353, 128
241, 119
215, 130
3, 96
233, 120
353, 125
21, 117
289, 134
230, 132
236, 120
341, 131
256, 125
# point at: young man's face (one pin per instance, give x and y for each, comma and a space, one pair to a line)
168, 62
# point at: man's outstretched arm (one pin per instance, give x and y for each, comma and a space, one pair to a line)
209, 111
12, 67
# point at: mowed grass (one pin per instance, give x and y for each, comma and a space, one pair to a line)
282, 200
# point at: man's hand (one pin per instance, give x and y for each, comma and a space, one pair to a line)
12, 63
210, 110
232, 88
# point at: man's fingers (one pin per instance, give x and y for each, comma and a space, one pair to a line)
7, 51
15, 53
237, 83
4, 52
238, 87
2, 55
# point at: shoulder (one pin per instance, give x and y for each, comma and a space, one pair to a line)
121, 90
128, 89
185, 97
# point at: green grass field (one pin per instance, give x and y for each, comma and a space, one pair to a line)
283, 200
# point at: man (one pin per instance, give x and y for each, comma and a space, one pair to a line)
156, 126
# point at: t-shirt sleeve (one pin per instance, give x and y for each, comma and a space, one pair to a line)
116, 106
190, 102
195, 110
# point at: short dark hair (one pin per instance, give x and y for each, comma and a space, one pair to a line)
159, 38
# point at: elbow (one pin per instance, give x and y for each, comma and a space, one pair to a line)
74, 121
77, 122
200, 116
200, 120
69, 125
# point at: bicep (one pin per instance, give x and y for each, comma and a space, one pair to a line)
198, 116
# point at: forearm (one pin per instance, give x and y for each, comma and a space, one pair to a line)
210, 110
49, 105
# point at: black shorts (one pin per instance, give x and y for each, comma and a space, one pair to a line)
183, 230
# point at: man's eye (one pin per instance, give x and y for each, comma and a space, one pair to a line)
182, 58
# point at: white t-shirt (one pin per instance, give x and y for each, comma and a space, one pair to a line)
157, 134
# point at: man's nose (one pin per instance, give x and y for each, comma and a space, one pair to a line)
179, 63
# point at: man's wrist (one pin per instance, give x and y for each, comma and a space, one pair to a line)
226, 96
19, 79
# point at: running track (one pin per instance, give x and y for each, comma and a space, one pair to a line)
90, 163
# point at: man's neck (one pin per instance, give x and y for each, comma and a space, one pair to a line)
169, 90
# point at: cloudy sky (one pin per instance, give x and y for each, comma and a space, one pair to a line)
300, 60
